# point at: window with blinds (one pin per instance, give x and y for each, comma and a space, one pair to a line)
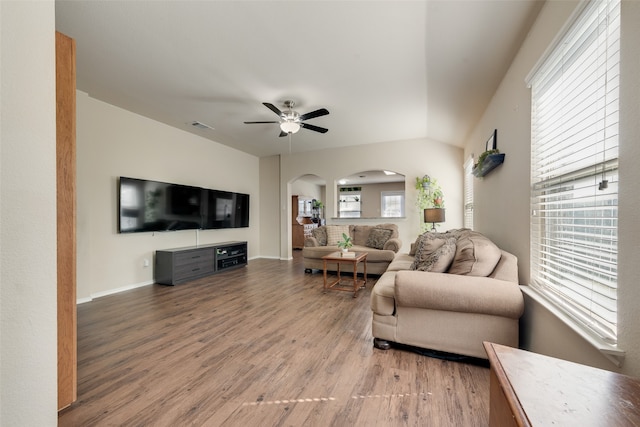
574, 169
468, 194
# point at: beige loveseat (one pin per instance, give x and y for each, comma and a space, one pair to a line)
380, 241
468, 293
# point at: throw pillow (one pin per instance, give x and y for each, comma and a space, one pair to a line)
476, 255
320, 233
378, 237
428, 235
426, 245
334, 234
435, 255
361, 234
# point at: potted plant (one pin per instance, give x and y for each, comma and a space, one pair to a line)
345, 243
430, 195
490, 159
437, 198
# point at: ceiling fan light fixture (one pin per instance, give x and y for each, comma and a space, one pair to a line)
290, 127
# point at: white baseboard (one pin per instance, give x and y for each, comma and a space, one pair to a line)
265, 257
139, 285
114, 291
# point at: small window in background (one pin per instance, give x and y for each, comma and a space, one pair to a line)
392, 204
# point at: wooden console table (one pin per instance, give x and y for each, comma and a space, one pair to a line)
529, 389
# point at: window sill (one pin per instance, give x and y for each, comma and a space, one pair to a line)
611, 352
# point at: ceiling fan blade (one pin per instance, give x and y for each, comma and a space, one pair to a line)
314, 114
314, 128
273, 108
283, 133
252, 123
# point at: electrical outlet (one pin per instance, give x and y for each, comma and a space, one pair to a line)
145, 263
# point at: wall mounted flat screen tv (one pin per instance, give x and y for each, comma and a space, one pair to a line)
146, 205
226, 210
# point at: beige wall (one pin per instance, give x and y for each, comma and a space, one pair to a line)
113, 142
28, 358
270, 207
301, 187
413, 158
502, 199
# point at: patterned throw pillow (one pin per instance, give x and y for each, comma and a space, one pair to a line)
334, 234
378, 237
428, 235
434, 254
320, 233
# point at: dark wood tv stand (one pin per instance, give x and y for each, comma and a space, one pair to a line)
179, 265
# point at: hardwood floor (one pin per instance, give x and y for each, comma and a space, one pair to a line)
258, 346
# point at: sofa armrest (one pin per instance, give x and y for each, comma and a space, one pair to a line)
311, 242
393, 244
452, 292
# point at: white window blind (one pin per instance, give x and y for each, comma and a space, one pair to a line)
468, 194
574, 170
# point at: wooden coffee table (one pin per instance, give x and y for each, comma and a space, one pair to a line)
339, 259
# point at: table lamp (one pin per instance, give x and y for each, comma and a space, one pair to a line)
434, 215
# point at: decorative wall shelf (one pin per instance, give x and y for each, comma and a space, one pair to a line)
490, 163
490, 159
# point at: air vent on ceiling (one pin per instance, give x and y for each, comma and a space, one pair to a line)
200, 125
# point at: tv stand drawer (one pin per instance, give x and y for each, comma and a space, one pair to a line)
179, 265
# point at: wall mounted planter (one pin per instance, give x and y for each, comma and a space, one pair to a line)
490, 159
490, 163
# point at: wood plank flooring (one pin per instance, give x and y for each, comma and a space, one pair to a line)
258, 346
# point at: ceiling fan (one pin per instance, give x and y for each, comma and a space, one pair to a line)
291, 122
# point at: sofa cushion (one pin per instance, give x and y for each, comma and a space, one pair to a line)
378, 237
434, 255
476, 255
374, 255
320, 233
334, 234
360, 234
401, 262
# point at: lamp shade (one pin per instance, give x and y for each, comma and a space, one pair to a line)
290, 127
434, 215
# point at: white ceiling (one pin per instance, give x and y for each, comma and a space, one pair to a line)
385, 70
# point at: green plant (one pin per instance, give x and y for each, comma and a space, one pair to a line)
429, 193
429, 196
483, 156
318, 204
346, 242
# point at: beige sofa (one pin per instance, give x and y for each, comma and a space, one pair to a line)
380, 241
470, 297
